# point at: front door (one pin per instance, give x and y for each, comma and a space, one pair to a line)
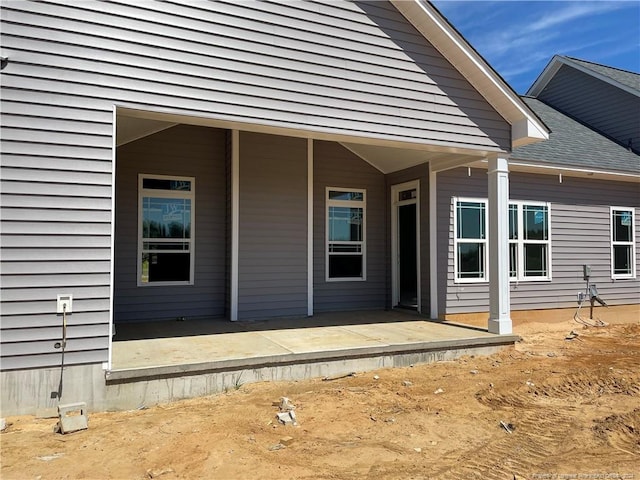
405, 244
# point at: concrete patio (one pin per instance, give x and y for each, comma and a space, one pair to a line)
325, 344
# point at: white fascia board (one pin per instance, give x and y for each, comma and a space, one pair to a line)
533, 166
454, 47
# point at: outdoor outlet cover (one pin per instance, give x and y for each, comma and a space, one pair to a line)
65, 300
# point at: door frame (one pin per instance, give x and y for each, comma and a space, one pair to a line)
395, 264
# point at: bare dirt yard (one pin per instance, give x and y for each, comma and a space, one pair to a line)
557, 406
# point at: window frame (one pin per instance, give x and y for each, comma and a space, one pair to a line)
631, 243
363, 243
457, 241
519, 242
170, 194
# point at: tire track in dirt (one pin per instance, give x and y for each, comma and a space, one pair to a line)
620, 431
543, 430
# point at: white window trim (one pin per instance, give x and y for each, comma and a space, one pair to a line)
346, 203
632, 243
167, 194
457, 241
520, 242
519, 278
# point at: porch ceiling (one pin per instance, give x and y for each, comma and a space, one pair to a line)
386, 156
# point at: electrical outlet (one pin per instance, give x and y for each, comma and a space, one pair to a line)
65, 303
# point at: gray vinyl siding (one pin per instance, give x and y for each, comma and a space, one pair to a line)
580, 233
337, 68
604, 107
186, 151
335, 166
421, 173
345, 67
272, 269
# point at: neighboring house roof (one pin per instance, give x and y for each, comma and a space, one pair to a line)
628, 81
623, 77
525, 126
574, 145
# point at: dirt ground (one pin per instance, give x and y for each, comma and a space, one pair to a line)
572, 407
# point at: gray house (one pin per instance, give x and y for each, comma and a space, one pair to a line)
250, 160
573, 199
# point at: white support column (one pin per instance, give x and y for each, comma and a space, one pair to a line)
235, 221
310, 227
433, 243
499, 303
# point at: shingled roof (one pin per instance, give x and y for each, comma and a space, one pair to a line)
574, 145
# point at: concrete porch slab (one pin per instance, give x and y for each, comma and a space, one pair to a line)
341, 337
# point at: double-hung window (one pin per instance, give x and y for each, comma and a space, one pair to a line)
345, 254
529, 241
623, 249
470, 223
165, 230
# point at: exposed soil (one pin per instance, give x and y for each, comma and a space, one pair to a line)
570, 409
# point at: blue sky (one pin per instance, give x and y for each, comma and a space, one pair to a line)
518, 38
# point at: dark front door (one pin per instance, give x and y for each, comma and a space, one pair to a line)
408, 257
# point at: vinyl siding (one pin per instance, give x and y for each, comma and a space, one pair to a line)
421, 173
335, 166
580, 234
184, 151
344, 67
604, 107
350, 68
272, 269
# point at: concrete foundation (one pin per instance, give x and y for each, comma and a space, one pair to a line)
24, 392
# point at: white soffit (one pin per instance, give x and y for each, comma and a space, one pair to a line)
526, 126
129, 129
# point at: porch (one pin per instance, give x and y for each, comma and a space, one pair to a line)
289, 349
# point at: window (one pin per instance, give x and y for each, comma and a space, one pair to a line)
529, 241
165, 230
345, 234
623, 250
471, 240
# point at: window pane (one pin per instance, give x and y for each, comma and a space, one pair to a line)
166, 184
535, 260
622, 225
513, 259
470, 260
345, 266
622, 259
166, 217
345, 224
165, 267
351, 196
471, 220
513, 222
536, 225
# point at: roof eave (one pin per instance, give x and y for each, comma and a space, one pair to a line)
526, 127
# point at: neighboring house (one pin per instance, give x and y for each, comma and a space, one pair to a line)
574, 199
247, 160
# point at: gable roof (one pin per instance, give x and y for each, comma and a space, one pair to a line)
574, 145
526, 127
627, 81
